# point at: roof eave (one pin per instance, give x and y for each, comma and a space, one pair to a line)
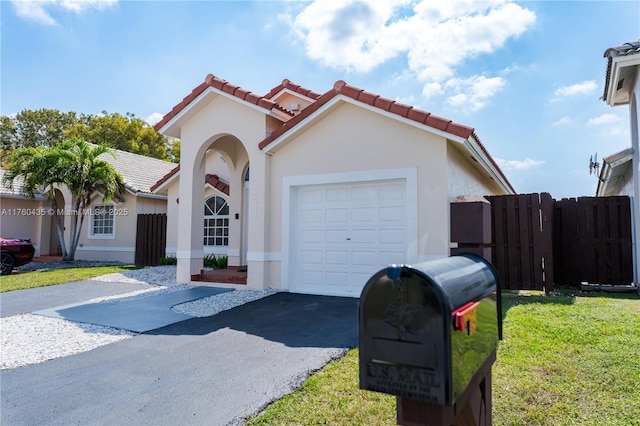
166, 183
486, 161
618, 64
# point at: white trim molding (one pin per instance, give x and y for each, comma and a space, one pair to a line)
190, 254
260, 256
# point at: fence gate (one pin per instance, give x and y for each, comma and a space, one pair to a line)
522, 234
151, 239
592, 241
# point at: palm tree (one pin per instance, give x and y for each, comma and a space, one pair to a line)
74, 164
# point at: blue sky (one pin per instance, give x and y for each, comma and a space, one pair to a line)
527, 76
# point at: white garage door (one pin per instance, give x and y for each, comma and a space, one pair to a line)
343, 233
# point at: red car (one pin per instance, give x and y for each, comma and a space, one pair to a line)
15, 252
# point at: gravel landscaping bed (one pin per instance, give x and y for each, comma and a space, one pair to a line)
29, 339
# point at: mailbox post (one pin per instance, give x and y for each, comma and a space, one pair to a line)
428, 334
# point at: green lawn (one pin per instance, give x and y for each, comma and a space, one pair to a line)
58, 276
564, 360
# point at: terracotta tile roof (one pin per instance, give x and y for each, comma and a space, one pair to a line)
286, 84
631, 48
372, 99
215, 181
407, 111
339, 88
211, 179
224, 86
165, 178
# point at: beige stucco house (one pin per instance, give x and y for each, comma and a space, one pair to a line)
315, 192
619, 173
107, 236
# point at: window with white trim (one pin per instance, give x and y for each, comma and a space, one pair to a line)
103, 221
216, 222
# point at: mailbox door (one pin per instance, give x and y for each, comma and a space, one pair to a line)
404, 339
474, 335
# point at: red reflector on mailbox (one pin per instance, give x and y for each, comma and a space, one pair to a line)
465, 317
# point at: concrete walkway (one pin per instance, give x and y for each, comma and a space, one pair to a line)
34, 299
139, 315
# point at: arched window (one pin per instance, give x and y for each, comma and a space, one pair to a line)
216, 222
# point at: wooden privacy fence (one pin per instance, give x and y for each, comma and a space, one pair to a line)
151, 239
538, 242
522, 235
592, 241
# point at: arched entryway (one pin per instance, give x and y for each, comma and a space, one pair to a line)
215, 204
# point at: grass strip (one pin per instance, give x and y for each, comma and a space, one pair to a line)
34, 279
566, 359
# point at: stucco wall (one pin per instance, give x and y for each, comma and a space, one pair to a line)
463, 178
351, 139
120, 247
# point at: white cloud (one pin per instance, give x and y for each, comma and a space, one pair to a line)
563, 121
473, 93
39, 10
435, 37
154, 118
585, 88
525, 164
604, 119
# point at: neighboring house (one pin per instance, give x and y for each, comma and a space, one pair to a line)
619, 174
24, 218
615, 174
318, 191
109, 232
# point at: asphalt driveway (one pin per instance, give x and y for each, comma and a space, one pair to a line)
203, 371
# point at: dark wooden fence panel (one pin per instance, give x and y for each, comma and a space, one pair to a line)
593, 241
522, 240
151, 239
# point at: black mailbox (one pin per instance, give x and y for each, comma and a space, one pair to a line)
425, 330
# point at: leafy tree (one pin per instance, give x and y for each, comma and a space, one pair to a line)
73, 163
47, 127
125, 132
43, 127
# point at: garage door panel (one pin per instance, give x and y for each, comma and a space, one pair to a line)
364, 214
367, 236
311, 277
392, 236
339, 215
364, 194
392, 191
311, 216
364, 258
312, 256
310, 236
344, 233
337, 257
391, 257
392, 214
336, 195
337, 278
311, 196
333, 236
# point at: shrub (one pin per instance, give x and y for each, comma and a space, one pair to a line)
211, 261
169, 260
